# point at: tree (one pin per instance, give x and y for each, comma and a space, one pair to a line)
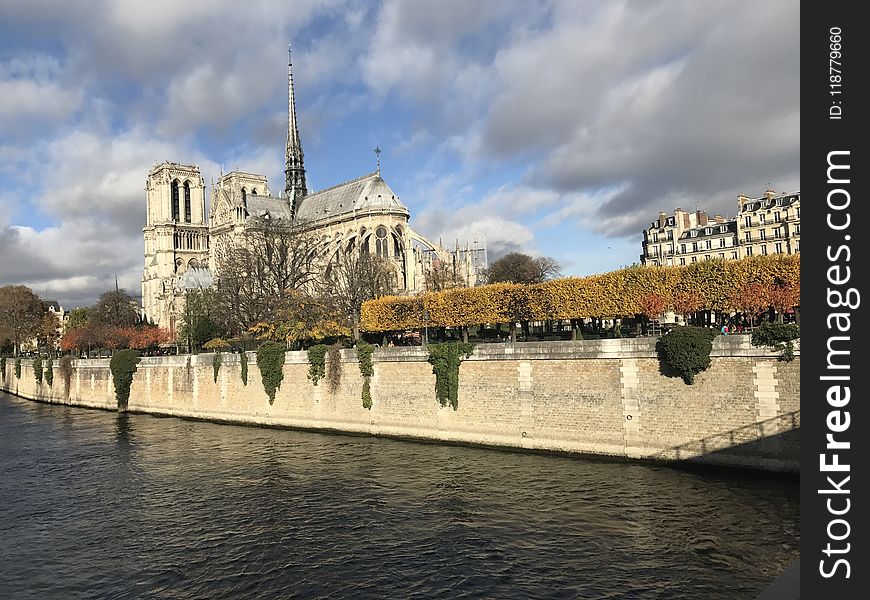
115, 309
21, 313
49, 333
443, 276
750, 300
78, 317
354, 277
274, 258
516, 267
651, 306
200, 319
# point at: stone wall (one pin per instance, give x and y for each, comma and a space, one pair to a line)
605, 397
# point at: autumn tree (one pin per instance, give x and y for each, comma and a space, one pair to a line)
651, 306
783, 298
750, 300
354, 277
78, 317
21, 313
443, 276
516, 267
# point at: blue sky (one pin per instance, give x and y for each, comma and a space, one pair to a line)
559, 128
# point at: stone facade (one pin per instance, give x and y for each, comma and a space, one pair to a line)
766, 225
605, 397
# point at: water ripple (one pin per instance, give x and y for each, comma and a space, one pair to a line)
98, 505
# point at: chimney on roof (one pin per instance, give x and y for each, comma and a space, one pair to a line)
663, 218
741, 200
702, 218
769, 193
719, 219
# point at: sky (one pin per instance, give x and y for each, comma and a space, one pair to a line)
557, 128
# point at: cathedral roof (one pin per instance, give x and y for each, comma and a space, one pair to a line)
276, 208
369, 192
196, 278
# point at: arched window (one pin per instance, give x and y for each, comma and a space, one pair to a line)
244, 195
187, 201
175, 211
381, 241
254, 192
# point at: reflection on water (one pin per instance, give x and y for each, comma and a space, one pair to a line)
98, 504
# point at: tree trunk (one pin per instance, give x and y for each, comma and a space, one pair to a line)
355, 326
465, 334
513, 332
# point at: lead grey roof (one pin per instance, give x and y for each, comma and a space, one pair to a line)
277, 208
369, 192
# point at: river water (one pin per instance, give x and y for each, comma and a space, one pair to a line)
94, 504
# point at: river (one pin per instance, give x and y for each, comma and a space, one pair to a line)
95, 504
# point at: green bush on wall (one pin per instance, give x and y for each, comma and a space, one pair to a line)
270, 361
364, 352
37, 370
49, 372
216, 362
3, 368
243, 359
333, 367
317, 362
123, 366
65, 367
445, 359
686, 350
778, 337
17, 368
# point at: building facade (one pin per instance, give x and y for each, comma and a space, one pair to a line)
766, 225
184, 245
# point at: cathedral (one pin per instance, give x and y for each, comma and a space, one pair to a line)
182, 242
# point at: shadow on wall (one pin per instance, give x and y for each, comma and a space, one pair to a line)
774, 439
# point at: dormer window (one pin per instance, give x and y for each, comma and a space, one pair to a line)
723, 229
708, 231
694, 233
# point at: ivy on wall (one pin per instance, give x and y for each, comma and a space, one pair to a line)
445, 360
317, 363
364, 352
243, 359
216, 362
66, 369
3, 368
37, 370
123, 366
17, 368
270, 361
49, 372
333, 367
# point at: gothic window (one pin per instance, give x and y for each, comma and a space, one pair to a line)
175, 200
254, 192
187, 201
381, 241
244, 195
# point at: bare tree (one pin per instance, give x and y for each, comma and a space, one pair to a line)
352, 278
517, 267
273, 257
443, 276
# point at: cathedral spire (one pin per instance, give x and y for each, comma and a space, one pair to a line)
294, 169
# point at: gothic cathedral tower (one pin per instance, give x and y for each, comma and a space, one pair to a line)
176, 239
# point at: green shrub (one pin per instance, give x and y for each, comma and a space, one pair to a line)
216, 362
317, 363
3, 367
270, 360
49, 372
123, 366
686, 350
364, 352
778, 337
333, 367
243, 359
37, 370
17, 368
366, 394
364, 355
445, 359
65, 367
